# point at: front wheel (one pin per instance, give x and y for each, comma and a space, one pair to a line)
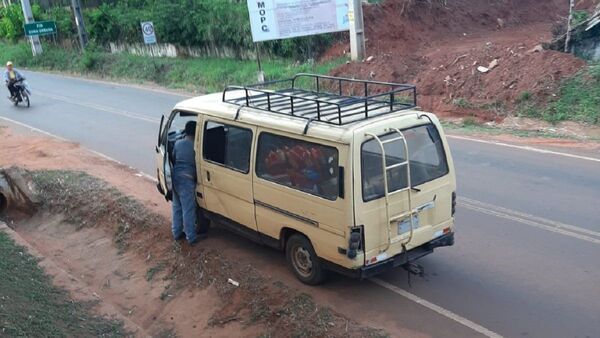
303, 260
25, 98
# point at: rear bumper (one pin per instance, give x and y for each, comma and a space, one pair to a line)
396, 261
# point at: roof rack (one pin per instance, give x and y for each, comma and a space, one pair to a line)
327, 99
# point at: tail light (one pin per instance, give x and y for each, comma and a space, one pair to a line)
453, 203
356, 241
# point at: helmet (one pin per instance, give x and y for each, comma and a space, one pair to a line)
9, 63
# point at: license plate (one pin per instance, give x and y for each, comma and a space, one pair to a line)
404, 225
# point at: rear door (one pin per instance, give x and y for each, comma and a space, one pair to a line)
225, 169
387, 225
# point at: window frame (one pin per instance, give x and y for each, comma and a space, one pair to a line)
223, 164
340, 167
362, 172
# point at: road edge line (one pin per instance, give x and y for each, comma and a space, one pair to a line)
528, 148
436, 308
141, 86
97, 153
529, 217
531, 223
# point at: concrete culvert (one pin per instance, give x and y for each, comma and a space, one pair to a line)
15, 191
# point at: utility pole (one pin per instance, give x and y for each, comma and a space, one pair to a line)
36, 46
357, 30
83, 38
568, 38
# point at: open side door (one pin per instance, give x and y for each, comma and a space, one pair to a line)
163, 169
171, 130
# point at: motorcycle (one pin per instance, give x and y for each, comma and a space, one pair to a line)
23, 93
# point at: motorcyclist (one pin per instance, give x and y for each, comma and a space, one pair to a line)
11, 77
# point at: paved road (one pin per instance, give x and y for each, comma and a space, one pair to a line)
527, 258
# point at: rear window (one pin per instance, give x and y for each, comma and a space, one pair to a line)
427, 161
301, 165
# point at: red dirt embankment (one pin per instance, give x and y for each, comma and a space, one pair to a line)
439, 45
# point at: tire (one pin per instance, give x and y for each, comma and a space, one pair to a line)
303, 260
25, 98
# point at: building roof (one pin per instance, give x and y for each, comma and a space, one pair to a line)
594, 20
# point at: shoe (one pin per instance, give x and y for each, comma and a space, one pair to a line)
198, 239
180, 237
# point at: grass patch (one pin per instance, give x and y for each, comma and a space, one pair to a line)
475, 128
462, 103
154, 270
30, 306
203, 74
578, 100
470, 122
68, 193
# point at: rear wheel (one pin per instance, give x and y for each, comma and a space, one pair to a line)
303, 260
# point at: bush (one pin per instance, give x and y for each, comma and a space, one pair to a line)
217, 23
64, 21
11, 22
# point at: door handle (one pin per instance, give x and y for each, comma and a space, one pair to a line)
208, 175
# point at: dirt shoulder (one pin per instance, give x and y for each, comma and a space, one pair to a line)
104, 233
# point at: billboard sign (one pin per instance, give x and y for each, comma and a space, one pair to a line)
282, 19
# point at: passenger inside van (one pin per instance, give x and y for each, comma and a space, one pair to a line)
302, 165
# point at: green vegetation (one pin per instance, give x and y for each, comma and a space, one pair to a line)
578, 100
154, 270
216, 24
204, 74
580, 16
470, 121
462, 103
470, 126
30, 306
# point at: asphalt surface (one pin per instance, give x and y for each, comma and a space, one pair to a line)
527, 258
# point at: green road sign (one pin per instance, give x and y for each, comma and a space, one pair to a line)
40, 28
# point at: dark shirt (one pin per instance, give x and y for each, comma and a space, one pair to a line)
184, 159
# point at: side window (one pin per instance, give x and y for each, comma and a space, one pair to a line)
306, 166
227, 145
175, 130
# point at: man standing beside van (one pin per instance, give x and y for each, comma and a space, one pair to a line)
184, 187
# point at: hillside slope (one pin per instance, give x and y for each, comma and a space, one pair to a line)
439, 45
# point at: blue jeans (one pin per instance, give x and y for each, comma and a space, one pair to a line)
184, 206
